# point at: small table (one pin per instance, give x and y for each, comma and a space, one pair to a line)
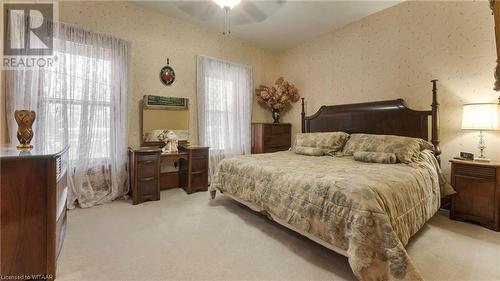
478, 192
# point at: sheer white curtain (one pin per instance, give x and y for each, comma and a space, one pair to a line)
80, 101
224, 108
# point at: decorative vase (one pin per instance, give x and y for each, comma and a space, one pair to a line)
276, 115
24, 119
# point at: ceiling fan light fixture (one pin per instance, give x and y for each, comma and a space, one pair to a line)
227, 3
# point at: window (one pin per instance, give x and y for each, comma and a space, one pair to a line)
81, 101
220, 108
224, 108
75, 97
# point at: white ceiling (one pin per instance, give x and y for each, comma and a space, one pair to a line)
276, 24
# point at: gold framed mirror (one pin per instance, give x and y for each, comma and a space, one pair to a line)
159, 115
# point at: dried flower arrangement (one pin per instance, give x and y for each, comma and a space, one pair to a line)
278, 97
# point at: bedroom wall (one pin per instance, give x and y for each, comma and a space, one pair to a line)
394, 54
154, 37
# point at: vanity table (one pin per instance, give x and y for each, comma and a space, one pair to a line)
153, 170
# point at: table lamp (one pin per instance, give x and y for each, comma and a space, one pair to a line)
481, 117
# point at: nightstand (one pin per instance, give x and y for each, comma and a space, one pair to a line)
478, 192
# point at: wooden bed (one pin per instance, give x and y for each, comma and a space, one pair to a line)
392, 117
364, 211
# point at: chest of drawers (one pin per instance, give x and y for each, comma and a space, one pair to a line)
271, 137
33, 195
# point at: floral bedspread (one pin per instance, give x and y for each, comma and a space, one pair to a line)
369, 210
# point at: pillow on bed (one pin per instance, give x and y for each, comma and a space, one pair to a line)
329, 142
311, 151
375, 157
405, 148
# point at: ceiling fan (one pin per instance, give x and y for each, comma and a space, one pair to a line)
227, 5
236, 12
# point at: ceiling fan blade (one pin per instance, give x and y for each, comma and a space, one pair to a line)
210, 12
202, 10
240, 19
253, 11
246, 12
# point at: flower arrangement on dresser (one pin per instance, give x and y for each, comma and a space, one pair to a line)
278, 97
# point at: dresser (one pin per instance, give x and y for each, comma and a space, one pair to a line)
144, 174
478, 192
271, 137
33, 211
152, 171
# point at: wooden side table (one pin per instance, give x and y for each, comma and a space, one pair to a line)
478, 192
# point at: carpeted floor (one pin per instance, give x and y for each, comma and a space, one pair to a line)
189, 237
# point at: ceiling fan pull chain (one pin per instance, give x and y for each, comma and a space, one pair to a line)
229, 21
225, 22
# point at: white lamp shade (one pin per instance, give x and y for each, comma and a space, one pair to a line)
227, 3
481, 116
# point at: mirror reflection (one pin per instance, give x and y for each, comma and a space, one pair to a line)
164, 117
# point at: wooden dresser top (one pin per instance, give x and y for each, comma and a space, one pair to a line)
477, 163
36, 152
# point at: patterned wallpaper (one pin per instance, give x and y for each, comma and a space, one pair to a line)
394, 54
391, 54
154, 37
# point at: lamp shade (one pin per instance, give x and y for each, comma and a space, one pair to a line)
481, 116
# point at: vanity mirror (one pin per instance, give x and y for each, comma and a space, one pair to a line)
160, 115
153, 169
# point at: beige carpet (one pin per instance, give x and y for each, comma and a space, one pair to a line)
189, 237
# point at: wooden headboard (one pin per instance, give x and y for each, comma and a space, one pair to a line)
392, 117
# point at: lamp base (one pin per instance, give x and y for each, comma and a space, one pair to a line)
479, 159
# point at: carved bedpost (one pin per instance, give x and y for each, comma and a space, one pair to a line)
303, 117
435, 121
